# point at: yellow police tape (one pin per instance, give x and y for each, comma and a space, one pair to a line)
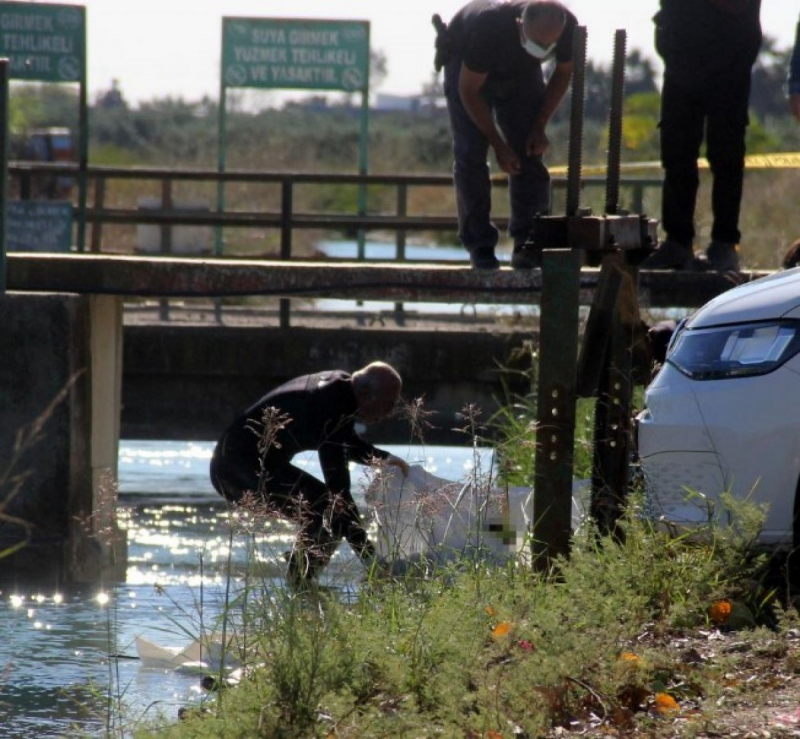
784, 160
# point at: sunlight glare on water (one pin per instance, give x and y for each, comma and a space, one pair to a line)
67, 655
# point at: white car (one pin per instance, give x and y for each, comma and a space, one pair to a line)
724, 411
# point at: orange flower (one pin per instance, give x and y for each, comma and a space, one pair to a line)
630, 657
720, 611
666, 704
490, 611
502, 629
492, 734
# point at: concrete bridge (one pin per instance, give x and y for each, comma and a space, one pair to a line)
66, 387
181, 380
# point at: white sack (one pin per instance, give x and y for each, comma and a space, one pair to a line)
424, 517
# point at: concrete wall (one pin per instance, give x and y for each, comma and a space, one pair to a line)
57, 481
187, 382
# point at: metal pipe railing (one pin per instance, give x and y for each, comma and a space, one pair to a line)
287, 219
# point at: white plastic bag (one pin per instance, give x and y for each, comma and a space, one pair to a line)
424, 517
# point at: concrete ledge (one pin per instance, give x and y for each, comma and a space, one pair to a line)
406, 282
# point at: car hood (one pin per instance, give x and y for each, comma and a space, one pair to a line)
775, 296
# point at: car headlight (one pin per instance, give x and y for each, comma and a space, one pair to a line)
742, 350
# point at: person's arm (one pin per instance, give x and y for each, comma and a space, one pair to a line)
345, 516
363, 452
557, 87
469, 90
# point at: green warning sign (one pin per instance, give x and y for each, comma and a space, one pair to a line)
43, 42
295, 54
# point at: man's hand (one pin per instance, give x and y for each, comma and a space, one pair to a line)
794, 106
469, 89
537, 143
507, 158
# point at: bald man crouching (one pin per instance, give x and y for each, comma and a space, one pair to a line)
311, 413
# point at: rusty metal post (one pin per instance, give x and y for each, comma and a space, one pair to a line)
612, 421
575, 152
615, 123
599, 326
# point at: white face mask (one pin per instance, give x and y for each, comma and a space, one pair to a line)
536, 50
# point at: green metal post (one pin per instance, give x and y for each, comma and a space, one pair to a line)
555, 433
221, 159
4, 63
558, 356
363, 154
83, 126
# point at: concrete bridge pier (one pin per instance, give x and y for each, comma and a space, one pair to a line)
60, 389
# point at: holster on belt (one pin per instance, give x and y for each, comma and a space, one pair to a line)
442, 43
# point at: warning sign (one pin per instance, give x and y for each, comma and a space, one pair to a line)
43, 42
295, 54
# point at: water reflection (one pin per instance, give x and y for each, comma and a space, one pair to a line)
68, 660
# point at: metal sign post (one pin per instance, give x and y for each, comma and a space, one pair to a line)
4, 64
47, 43
298, 54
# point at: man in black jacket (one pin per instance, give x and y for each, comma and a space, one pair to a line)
314, 412
497, 96
709, 48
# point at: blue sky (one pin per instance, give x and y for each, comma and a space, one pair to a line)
157, 48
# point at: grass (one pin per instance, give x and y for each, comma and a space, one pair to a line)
481, 649
478, 651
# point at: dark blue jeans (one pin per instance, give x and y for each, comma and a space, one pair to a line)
716, 111
515, 108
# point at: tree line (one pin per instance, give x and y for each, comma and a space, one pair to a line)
322, 132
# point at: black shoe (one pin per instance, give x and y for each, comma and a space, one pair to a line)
670, 255
526, 256
483, 257
722, 257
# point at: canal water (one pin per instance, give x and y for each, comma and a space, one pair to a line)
68, 659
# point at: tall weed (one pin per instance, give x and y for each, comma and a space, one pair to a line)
476, 648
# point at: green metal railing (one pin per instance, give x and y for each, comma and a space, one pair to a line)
287, 219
